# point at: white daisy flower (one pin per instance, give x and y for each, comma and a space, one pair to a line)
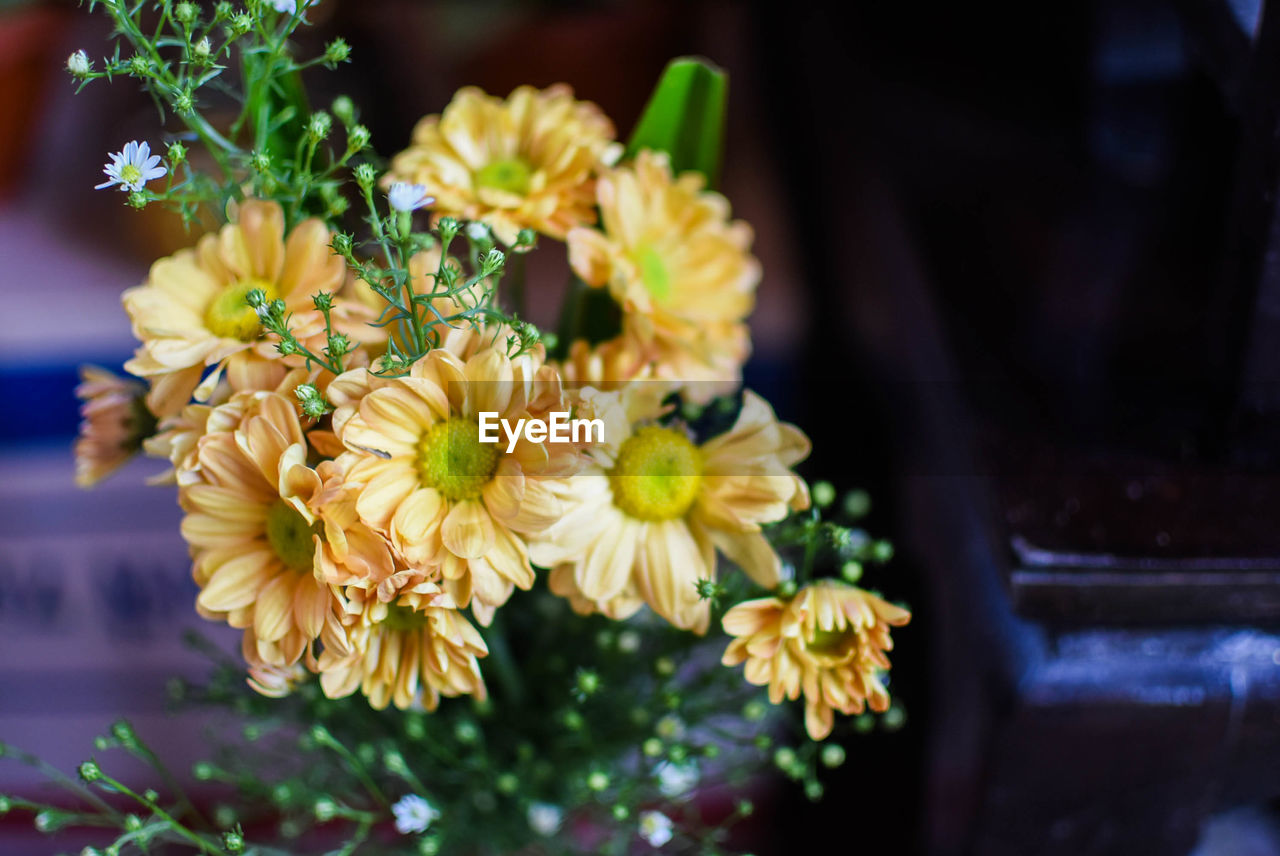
656, 828
413, 814
290, 7
545, 818
132, 167
406, 197
676, 779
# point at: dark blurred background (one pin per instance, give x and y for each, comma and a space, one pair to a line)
1020, 283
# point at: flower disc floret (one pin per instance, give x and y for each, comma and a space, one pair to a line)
657, 474
452, 459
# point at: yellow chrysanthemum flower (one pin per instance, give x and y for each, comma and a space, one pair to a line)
252, 535
409, 652
114, 423
526, 162
681, 270
647, 517
449, 504
828, 641
191, 313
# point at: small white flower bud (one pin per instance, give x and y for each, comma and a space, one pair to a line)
78, 64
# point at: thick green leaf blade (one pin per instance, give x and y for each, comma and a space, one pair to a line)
685, 117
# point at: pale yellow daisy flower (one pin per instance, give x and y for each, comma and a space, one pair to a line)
408, 652
450, 505
524, 162
828, 641
647, 518
114, 423
191, 313
253, 538
679, 267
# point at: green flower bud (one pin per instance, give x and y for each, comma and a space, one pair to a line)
321, 300
151, 795
260, 161
620, 812
652, 747
832, 755
787, 589
466, 731
573, 720
138, 66
336, 51
319, 126
202, 50
345, 109
785, 758
598, 781
587, 682
241, 24
325, 809
185, 12
745, 808
233, 841
287, 348
177, 154
203, 771
448, 228
366, 175
526, 239
89, 771
137, 199
813, 790
342, 244
664, 666
428, 845
507, 783
123, 731
492, 262
824, 493
857, 503
224, 815
102, 744
851, 571
183, 102
670, 727
51, 820
358, 138
863, 723
222, 10
132, 822
881, 551
754, 711
894, 718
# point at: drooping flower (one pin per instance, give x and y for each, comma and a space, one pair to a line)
253, 538
451, 505
131, 167
405, 197
524, 162
828, 641
648, 516
413, 814
656, 828
114, 423
408, 652
681, 270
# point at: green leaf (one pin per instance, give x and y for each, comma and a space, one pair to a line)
685, 117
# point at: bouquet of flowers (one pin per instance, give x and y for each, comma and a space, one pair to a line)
490, 580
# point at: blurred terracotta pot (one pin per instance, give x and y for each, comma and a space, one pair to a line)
28, 42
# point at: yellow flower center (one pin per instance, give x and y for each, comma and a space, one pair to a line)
657, 475
510, 175
130, 174
653, 272
832, 643
452, 459
404, 618
289, 534
230, 316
